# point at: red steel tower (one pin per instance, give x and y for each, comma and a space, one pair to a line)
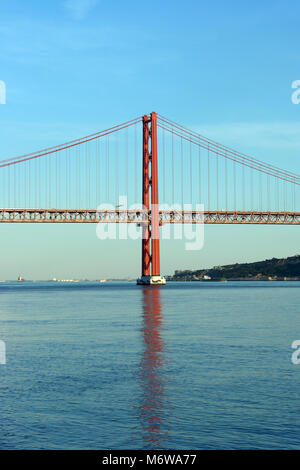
150, 243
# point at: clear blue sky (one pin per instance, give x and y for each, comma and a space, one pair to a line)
77, 66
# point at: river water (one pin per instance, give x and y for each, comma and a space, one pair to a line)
120, 366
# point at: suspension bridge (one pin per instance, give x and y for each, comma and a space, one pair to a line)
168, 173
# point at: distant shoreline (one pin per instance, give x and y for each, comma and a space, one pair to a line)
235, 280
182, 281
275, 269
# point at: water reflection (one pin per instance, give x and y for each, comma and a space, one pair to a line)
152, 409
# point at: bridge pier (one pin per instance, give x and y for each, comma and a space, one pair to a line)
151, 281
150, 261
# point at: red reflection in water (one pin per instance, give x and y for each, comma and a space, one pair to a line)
153, 384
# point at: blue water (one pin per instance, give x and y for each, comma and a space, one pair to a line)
116, 366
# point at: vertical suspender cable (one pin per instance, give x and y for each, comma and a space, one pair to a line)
199, 175
182, 174
126, 161
234, 184
164, 164
268, 192
252, 189
217, 176
226, 184
25, 184
260, 191
208, 179
191, 174
14, 184
135, 165
173, 178
244, 187
107, 170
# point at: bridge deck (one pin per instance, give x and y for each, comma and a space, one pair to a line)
140, 216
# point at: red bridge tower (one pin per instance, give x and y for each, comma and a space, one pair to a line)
150, 243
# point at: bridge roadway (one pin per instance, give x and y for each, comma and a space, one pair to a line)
142, 217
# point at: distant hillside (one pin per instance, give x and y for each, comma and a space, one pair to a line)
275, 269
